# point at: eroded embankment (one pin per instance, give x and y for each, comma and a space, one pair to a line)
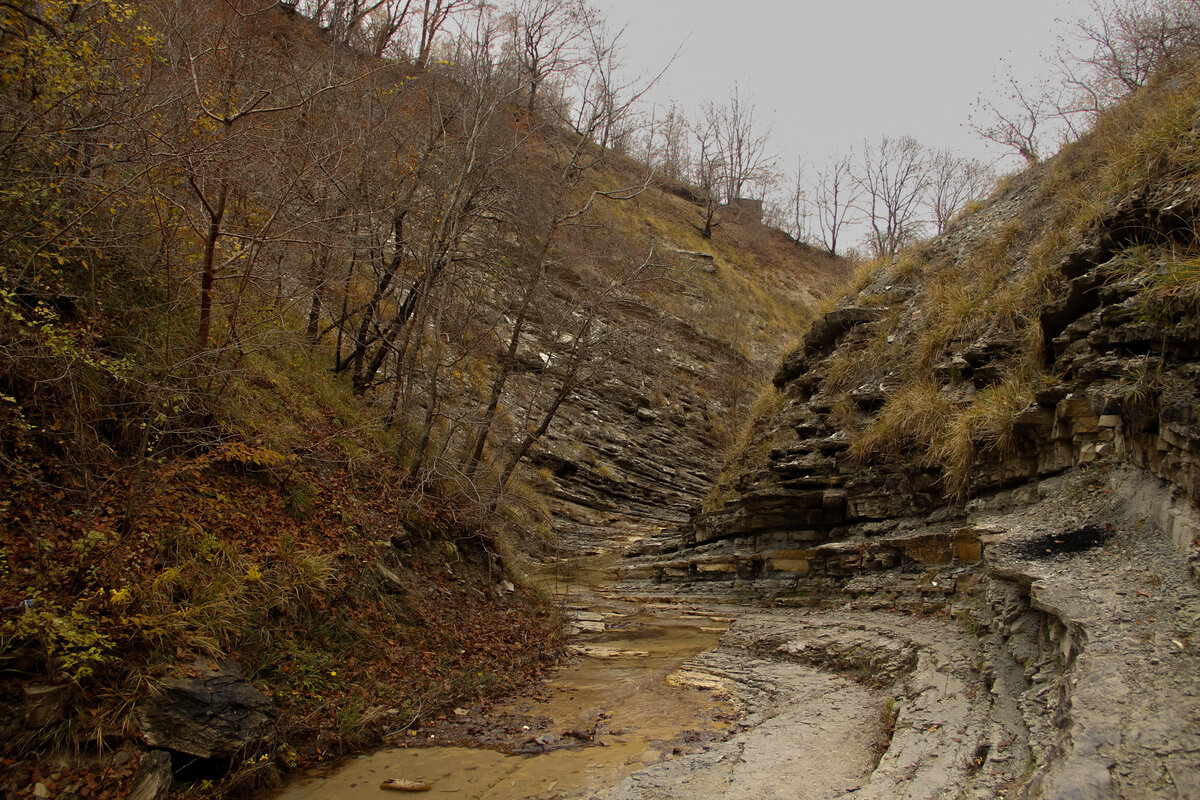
824, 691
1059, 661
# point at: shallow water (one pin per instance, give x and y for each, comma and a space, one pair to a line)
637, 715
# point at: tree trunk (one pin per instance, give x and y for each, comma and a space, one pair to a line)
209, 268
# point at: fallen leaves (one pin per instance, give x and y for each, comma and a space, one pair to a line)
443, 640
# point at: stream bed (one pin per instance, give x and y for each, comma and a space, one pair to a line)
621, 705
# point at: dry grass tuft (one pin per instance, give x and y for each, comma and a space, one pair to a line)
907, 426
985, 426
750, 449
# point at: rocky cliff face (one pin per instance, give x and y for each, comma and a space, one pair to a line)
635, 449
1119, 386
1001, 427
632, 450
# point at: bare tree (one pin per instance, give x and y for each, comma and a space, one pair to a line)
384, 23
667, 148
434, 16
446, 195
375, 25
573, 347
708, 172
1125, 42
229, 96
892, 183
732, 158
545, 38
740, 145
344, 20
791, 212
1112, 52
798, 204
1018, 119
603, 101
955, 181
833, 200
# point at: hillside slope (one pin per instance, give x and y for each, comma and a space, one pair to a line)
1002, 426
299, 350
634, 449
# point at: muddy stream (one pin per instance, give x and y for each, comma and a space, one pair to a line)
618, 707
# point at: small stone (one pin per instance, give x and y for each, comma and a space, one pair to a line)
601, 652
40, 790
586, 626
403, 785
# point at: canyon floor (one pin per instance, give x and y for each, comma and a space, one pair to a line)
1062, 663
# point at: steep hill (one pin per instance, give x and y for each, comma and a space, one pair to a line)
299, 350
1000, 426
635, 448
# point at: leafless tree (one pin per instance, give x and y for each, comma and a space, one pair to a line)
955, 181
892, 181
740, 146
834, 196
1125, 42
375, 25
434, 16
439, 197
340, 18
545, 38
666, 146
568, 328
790, 213
230, 96
732, 156
383, 24
1018, 119
708, 173
1112, 52
602, 100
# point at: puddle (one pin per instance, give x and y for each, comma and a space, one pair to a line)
621, 694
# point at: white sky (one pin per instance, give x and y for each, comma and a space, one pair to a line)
828, 73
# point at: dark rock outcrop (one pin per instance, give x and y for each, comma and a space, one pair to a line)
633, 449
1071, 553
1126, 390
46, 705
213, 713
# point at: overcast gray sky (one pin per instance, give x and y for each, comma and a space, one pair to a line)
829, 73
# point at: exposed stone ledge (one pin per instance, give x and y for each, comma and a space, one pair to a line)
1077, 617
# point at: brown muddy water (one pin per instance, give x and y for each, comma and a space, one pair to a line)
627, 691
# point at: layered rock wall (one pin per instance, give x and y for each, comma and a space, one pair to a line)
1067, 545
1121, 369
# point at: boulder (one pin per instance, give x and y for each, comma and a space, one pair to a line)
46, 705
822, 337
215, 713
